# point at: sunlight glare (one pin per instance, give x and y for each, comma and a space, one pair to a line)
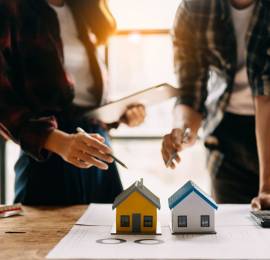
144, 14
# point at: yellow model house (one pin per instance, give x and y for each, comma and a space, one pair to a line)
136, 210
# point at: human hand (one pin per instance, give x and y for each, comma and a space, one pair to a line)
81, 149
174, 143
261, 202
134, 115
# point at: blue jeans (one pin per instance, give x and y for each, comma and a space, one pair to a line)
56, 182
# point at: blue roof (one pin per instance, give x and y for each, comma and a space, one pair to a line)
187, 189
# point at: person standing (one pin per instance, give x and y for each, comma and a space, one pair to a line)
49, 77
222, 60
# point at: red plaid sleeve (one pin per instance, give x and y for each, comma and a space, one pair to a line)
17, 121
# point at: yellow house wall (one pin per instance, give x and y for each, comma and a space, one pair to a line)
136, 204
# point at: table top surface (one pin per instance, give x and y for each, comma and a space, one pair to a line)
33, 235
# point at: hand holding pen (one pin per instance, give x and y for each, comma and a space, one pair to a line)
173, 143
108, 154
80, 150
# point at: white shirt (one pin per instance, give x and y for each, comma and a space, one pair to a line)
76, 61
241, 101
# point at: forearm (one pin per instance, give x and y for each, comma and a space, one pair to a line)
187, 116
262, 105
57, 141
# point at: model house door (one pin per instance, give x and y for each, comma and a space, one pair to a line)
136, 223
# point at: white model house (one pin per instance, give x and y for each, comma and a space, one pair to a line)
193, 211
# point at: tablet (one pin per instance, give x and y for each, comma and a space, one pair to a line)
113, 111
262, 217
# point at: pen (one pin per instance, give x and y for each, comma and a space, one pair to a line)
80, 130
186, 135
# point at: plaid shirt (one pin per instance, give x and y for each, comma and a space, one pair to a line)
206, 55
34, 87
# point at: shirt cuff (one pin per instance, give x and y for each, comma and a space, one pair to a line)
190, 101
33, 137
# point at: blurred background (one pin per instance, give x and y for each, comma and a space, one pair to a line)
139, 56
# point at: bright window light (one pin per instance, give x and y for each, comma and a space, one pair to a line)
144, 14
141, 56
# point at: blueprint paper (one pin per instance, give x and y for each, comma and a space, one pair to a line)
238, 237
244, 242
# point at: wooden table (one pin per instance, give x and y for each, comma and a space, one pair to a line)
41, 229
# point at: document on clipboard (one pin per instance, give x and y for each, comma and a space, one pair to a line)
113, 111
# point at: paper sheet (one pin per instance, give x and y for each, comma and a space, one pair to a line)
234, 215
97, 215
94, 242
112, 112
237, 237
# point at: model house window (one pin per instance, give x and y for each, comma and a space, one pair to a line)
182, 221
205, 221
148, 221
124, 221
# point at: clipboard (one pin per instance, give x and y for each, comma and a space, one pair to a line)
113, 111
